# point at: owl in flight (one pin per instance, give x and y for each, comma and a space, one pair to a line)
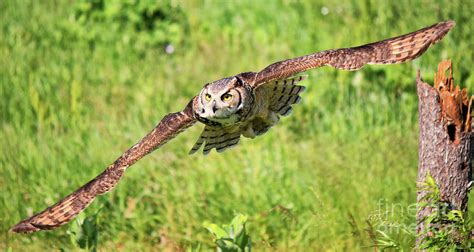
247, 104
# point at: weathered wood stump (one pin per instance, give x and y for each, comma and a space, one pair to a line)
445, 142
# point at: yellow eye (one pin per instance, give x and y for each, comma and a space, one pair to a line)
227, 97
208, 97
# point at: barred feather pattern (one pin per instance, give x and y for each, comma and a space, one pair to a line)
390, 51
73, 204
217, 137
285, 93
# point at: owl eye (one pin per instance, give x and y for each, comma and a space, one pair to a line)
207, 97
227, 97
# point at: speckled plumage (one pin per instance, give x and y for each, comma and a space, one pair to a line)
247, 104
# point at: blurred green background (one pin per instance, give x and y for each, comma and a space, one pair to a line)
81, 81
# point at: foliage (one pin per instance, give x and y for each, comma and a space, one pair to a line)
385, 242
133, 23
445, 229
385, 233
84, 233
71, 103
232, 237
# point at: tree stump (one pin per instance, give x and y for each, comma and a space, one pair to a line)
444, 143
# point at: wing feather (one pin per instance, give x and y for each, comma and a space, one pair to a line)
69, 207
390, 51
284, 93
217, 137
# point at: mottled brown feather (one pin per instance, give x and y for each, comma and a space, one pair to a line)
69, 207
390, 51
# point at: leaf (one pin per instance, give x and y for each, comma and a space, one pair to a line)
238, 224
217, 231
231, 237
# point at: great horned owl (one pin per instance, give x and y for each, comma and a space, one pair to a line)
247, 104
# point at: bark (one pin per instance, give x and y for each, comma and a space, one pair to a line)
444, 141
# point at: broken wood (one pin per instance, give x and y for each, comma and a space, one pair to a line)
445, 142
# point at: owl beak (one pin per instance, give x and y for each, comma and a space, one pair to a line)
214, 107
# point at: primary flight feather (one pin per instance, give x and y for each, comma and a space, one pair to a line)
247, 104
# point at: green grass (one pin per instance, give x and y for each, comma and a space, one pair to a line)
312, 182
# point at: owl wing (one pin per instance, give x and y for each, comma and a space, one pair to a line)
69, 207
390, 51
284, 93
217, 137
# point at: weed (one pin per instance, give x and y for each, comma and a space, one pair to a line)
232, 237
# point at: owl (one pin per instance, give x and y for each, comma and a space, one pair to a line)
245, 105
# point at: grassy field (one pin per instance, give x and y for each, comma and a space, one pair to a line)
346, 157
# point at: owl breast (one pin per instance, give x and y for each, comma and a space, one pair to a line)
260, 118
228, 120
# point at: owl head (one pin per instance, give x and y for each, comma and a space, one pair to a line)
222, 101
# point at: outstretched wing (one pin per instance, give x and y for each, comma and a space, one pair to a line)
69, 207
390, 51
